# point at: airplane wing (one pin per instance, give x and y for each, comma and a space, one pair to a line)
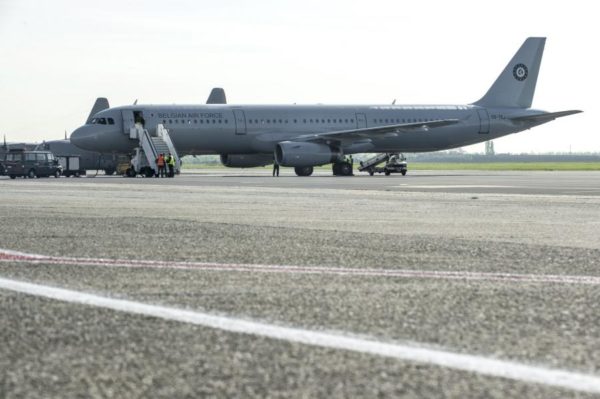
375, 132
545, 117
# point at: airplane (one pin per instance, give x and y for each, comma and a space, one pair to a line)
305, 136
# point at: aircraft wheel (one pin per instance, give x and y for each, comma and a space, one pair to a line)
57, 174
303, 170
109, 171
403, 173
387, 173
345, 169
13, 177
371, 172
130, 172
31, 174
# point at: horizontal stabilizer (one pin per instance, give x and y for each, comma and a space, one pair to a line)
100, 105
217, 96
545, 117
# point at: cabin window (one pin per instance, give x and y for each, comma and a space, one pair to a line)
170, 121
164, 122
220, 121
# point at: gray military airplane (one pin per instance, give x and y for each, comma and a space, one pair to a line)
304, 136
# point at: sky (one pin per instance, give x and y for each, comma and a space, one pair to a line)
57, 56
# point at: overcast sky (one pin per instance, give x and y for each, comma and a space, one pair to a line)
57, 56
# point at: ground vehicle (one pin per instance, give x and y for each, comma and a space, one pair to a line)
394, 163
71, 165
31, 164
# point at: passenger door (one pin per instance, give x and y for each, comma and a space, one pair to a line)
361, 121
128, 120
240, 121
484, 121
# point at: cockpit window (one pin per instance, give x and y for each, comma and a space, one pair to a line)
111, 121
100, 121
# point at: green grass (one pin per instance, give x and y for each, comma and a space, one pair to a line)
564, 166
560, 166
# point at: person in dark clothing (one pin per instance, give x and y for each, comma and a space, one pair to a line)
275, 169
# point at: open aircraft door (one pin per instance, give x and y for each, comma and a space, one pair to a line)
128, 120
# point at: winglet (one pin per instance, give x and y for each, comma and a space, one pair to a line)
100, 105
217, 96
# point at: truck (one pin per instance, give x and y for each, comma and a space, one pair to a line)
71, 165
394, 163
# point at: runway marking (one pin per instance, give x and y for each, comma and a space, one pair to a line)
462, 186
334, 340
20, 257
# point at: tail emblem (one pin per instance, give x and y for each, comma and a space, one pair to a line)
520, 72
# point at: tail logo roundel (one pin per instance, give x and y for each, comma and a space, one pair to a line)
520, 72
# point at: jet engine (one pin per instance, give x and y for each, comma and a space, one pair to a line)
299, 154
246, 160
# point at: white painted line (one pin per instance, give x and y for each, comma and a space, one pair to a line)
20, 257
470, 363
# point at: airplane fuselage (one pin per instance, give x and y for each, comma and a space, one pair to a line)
256, 129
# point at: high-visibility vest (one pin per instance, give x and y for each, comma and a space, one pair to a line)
161, 161
171, 161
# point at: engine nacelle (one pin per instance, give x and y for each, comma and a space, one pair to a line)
246, 160
297, 154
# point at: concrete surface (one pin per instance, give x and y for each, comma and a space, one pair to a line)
519, 222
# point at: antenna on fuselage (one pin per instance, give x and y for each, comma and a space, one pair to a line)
66, 134
5, 146
135, 102
394, 102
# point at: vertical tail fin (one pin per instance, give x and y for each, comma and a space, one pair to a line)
516, 84
100, 105
217, 96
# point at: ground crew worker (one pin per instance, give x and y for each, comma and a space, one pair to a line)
275, 169
171, 163
351, 161
160, 163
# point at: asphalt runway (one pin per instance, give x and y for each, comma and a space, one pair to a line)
229, 283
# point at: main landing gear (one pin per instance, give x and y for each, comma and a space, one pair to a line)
303, 170
342, 168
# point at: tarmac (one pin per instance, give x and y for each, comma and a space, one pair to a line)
487, 271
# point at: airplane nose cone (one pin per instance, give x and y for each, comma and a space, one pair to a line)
84, 138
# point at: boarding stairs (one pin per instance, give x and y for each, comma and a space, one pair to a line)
373, 162
151, 146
